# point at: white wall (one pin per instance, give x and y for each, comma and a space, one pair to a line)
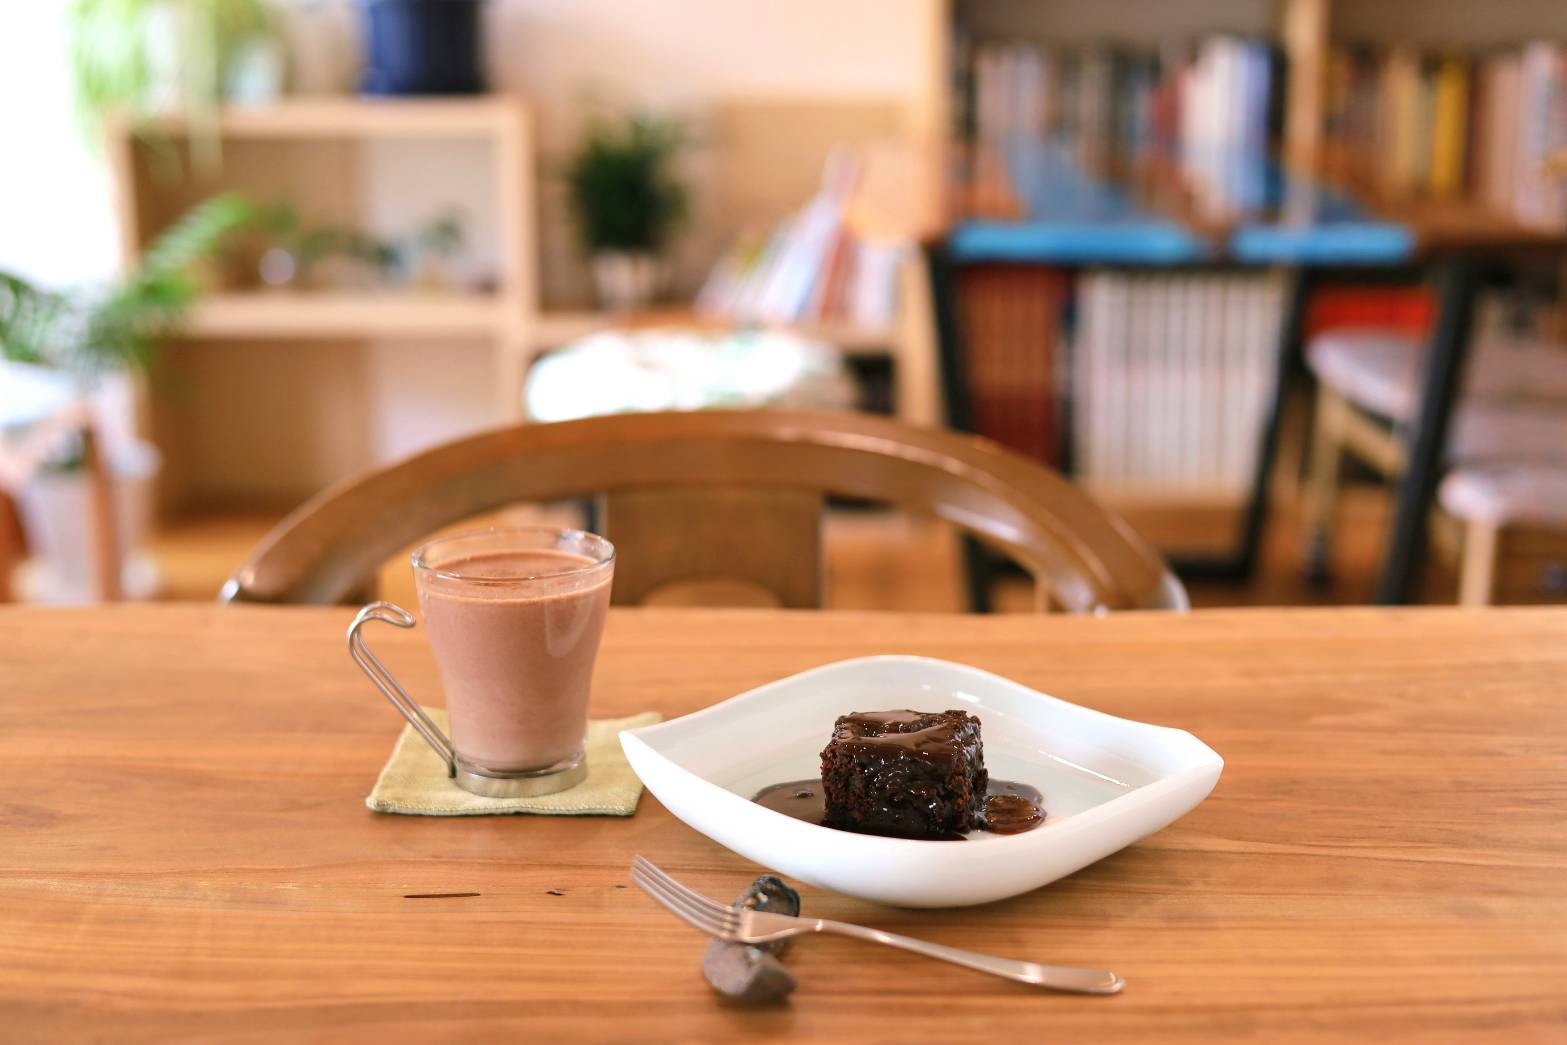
685, 52
56, 222
683, 57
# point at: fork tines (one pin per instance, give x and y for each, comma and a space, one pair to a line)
710, 916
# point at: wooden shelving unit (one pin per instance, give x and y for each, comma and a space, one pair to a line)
293, 119
319, 349
557, 328
145, 203
1456, 224
1306, 31
511, 313
291, 315
319, 420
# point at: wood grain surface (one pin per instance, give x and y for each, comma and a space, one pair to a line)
184, 849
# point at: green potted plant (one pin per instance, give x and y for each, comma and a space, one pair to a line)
628, 202
140, 58
91, 341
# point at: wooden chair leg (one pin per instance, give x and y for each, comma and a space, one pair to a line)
1322, 480
979, 573
1477, 564
12, 547
105, 540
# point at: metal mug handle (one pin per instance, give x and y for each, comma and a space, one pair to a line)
371, 665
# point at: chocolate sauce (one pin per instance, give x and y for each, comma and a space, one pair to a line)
1010, 807
802, 799
1011, 814
912, 732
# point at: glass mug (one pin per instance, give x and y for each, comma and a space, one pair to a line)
515, 615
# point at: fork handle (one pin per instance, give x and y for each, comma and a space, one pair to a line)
1056, 977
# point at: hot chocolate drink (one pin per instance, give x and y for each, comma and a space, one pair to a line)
515, 631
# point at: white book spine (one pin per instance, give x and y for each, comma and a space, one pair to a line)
1175, 382
1146, 410
1136, 401
1116, 395
1235, 373
1254, 337
1085, 384
1170, 407
1222, 380
1190, 319
1158, 403
1213, 378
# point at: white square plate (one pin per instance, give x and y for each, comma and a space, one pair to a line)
1107, 781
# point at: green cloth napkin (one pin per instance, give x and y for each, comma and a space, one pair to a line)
414, 779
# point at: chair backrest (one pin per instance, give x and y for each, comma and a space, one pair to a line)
716, 493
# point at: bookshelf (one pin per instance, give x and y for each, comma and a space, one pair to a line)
1312, 37
1447, 225
1307, 214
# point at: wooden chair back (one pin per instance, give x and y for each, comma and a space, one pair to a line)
716, 494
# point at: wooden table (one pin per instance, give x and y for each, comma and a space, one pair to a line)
184, 848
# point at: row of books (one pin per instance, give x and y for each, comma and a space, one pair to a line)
1170, 377
1014, 364
1210, 109
809, 268
1452, 125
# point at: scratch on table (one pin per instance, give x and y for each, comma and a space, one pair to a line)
437, 896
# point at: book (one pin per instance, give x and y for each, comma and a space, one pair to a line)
1540, 199
1010, 319
810, 267
1451, 126
1401, 120
1171, 379
1211, 109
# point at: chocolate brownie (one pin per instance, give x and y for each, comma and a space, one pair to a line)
913, 774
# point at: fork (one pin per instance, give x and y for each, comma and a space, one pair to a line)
740, 925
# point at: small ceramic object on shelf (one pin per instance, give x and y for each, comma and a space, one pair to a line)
256, 73
626, 280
